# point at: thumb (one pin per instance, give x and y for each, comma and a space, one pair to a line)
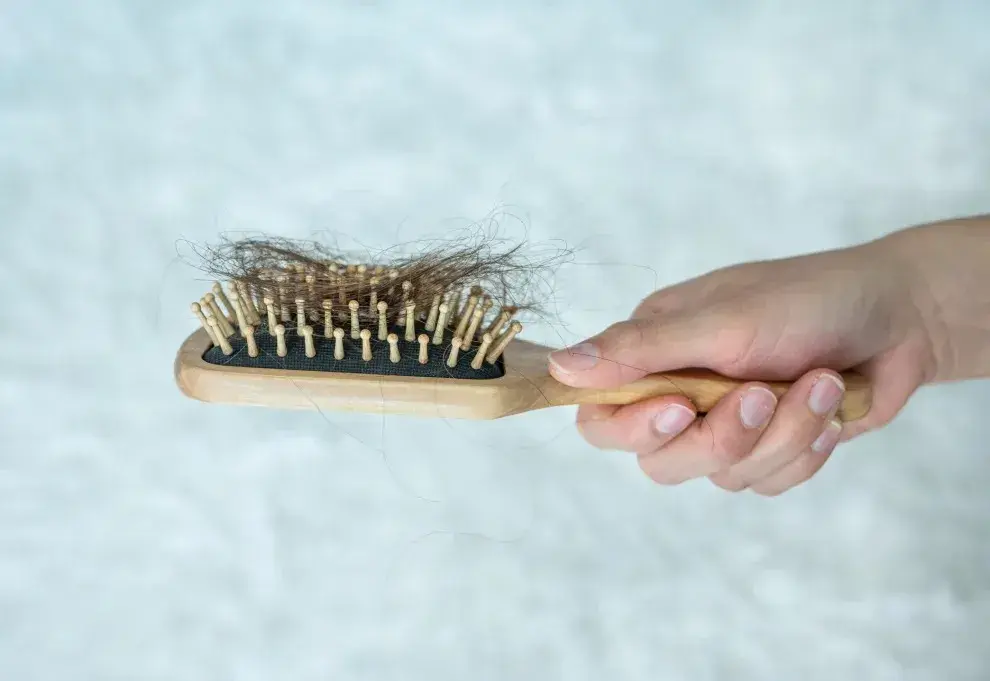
629, 350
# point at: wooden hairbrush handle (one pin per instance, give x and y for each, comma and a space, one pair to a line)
536, 388
705, 388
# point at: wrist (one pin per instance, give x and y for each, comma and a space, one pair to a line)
946, 267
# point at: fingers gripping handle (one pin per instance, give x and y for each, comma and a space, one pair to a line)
706, 388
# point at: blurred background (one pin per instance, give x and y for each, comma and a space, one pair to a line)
146, 536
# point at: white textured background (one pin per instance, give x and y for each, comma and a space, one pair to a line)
144, 536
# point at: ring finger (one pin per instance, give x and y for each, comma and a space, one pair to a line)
803, 467
724, 437
802, 416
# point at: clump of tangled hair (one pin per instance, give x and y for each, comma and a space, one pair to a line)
289, 270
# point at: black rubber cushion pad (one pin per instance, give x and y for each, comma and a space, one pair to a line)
380, 364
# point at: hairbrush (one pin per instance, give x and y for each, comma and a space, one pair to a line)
301, 329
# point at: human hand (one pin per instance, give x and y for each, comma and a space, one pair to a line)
802, 319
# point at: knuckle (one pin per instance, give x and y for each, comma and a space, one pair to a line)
730, 456
730, 483
646, 308
582, 429
635, 333
724, 453
740, 343
795, 429
805, 468
656, 471
737, 335
597, 433
625, 334
658, 303
798, 472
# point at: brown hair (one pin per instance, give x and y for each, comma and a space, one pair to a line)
286, 269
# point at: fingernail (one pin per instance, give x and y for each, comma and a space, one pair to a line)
825, 394
580, 357
673, 419
756, 407
829, 437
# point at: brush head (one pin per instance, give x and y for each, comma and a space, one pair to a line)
279, 283
402, 337
516, 382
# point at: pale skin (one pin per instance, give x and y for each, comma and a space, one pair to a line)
909, 309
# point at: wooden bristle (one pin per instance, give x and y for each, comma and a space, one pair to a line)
392, 276
410, 321
373, 297
441, 324
361, 272
476, 317
338, 345
503, 341
333, 278
431, 320
207, 308
503, 318
235, 300
454, 305
272, 321
283, 299
250, 311
222, 298
366, 345
424, 345
281, 349
225, 345
382, 320
236, 292
327, 318
465, 319
314, 314
198, 311
479, 357
401, 315
252, 345
300, 315
474, 293
455, 349
226, 330
355, 322
307, 333
393, 348
257, 295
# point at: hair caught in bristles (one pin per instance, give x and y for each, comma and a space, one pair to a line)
437, 296
286, 271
